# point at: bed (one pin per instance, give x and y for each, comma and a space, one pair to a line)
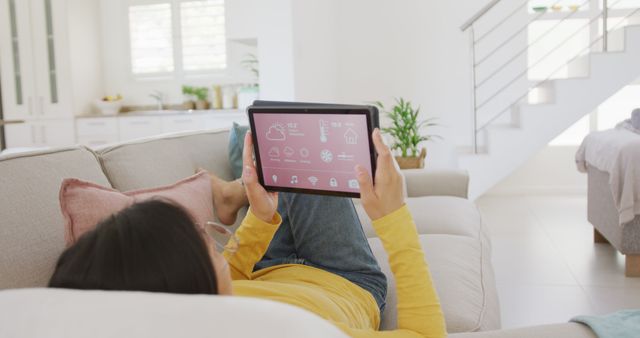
611, 159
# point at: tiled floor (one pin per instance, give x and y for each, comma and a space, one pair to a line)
547, 267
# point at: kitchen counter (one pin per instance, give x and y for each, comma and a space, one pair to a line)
98, 130
217, 112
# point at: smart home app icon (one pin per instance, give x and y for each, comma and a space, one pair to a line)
314, 151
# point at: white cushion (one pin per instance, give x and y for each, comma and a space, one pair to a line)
565, 330
462, 274
57, 313
165, 159
31, 224
436, 215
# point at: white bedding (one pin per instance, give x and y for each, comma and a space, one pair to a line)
616, 152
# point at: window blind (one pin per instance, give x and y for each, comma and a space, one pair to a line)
150, 33
203, 35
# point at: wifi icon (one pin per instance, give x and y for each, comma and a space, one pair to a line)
313, 180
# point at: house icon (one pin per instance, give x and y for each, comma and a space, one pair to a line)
351, 137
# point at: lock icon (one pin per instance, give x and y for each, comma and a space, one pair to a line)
333, 182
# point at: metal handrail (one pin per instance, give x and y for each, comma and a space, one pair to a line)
538, 84
524, 50
469, 25
523, 28
478, 15
510, 15
555, 48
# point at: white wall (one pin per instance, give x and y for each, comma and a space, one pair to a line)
315, 53
85, 54
361, 51
116, 67
275, 50
551, 171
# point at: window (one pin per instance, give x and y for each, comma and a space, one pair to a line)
151, 39
203, 37
177, 36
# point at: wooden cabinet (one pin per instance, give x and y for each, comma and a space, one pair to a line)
35, 72
97, 131
138, 127
224, 120
34, 59
177, 123
40, 133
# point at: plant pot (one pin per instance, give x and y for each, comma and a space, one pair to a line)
187, 105
412, 162
202, 104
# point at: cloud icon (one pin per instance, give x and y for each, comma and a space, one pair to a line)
276, 133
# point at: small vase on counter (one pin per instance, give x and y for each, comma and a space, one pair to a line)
202, 104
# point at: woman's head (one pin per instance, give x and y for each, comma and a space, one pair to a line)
151, 246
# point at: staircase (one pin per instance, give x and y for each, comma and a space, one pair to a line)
503, 139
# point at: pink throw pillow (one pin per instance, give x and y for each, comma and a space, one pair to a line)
85, 204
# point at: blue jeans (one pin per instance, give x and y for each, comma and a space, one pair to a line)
325, 232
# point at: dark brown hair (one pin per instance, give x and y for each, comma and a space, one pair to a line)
151, 246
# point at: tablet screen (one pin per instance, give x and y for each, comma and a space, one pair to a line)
311, 151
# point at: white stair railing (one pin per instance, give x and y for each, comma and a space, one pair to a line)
470, 27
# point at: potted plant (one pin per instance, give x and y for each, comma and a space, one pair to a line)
201, 94
406, 130
187, 92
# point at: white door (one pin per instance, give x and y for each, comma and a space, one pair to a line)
16, 62
51, 59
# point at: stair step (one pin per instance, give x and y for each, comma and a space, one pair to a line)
468, 150
506, 145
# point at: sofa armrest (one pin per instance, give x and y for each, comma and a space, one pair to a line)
573, 330
440, 182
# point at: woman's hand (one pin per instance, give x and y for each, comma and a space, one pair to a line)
387, 194
263, 204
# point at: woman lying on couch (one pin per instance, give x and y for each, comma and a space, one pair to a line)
305, 250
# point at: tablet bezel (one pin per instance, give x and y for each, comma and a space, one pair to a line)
314, 110
375, 114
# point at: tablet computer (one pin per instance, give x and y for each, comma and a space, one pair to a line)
373, 110
312, 150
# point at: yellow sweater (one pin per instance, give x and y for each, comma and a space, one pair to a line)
334, 298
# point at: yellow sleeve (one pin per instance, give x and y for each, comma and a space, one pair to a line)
419, 312
254, 236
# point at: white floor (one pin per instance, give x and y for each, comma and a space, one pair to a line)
547, 267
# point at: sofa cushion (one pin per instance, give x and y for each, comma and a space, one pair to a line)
461, 270
564, 330
31, 226
57, 313
436, 215
85, 204
165, 159
236, 146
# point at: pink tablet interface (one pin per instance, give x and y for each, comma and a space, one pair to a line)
312, 151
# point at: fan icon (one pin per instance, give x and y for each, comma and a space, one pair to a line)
326, 156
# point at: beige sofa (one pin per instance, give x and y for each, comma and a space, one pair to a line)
455, 241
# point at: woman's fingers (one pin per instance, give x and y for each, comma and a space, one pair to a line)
247, 151
385, 160
368, 196
366, 184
